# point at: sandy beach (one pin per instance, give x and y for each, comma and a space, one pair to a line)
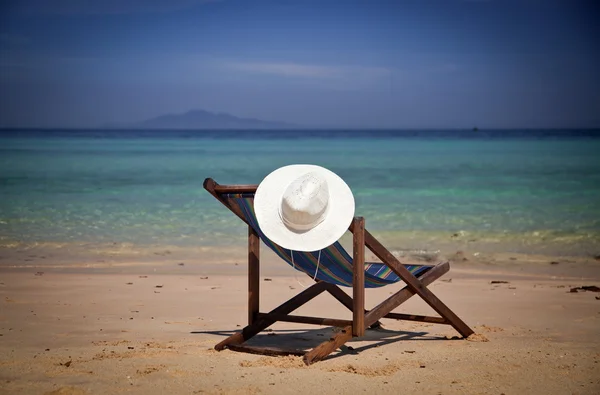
150, 327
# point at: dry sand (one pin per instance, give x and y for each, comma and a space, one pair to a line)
149, 328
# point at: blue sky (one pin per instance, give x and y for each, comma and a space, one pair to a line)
381, 64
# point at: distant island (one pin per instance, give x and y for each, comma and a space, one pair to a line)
201, 119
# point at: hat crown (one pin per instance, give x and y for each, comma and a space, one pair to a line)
304, 202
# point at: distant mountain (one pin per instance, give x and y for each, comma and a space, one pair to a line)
200, 119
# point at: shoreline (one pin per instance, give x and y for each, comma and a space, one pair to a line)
541, 242
127, 258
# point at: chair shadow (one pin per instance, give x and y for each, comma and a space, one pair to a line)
305, 340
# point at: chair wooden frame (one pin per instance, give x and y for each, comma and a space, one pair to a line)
361, 318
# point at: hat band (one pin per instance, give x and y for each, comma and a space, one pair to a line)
296, 226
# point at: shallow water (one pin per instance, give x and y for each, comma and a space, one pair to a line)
525, 191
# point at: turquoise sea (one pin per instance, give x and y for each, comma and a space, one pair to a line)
517, 190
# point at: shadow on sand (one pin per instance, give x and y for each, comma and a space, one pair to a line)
305, 340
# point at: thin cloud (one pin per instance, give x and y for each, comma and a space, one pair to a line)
104, 7
334, 77
285, 69
308, 71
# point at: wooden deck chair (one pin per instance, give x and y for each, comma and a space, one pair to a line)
336, 268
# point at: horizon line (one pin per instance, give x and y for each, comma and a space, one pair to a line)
291, 129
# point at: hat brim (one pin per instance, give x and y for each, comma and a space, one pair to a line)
267, 201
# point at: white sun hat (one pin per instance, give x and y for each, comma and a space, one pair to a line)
303, 207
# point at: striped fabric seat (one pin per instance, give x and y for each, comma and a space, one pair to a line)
335, 263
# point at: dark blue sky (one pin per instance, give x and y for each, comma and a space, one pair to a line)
407, 64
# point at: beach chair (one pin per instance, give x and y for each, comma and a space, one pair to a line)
336, 268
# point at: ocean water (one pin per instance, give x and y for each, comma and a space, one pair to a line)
525, 191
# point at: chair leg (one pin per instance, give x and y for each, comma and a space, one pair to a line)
391, 303
358, 277
444, 311
264, 322
327, 347
416, 286
253, 274
372, 317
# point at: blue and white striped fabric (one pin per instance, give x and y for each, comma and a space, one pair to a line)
335, 263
